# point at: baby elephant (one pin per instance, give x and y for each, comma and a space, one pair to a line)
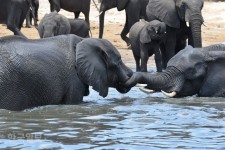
54, 24
145, 38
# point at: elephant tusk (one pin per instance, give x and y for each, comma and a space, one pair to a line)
141, 85
147, 91
99, 14
172, 94
204, 24
187, 23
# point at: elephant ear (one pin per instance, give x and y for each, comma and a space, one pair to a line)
144, 35
121, 4
91, 65
165, 11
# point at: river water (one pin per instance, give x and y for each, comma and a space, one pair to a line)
131, 121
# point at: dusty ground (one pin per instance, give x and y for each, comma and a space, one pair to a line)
214, 32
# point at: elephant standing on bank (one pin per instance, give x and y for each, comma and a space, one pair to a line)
13, 13
57, 70
75, 6
191, 71
54, 24
183, 19
145, 38
135, 10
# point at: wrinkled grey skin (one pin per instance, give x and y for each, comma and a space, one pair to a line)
135, 10
57, 70
53, 24
191, 71
75, 6
145, 38
32, 14
13, 13
79, 27
175, 14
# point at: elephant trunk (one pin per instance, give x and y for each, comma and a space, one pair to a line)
195, 25
101, 23
171, 80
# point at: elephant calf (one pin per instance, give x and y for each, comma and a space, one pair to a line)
54, 24
145, 38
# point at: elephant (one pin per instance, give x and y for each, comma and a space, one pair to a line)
145, 38
54, 24
57, 70
32, 14
13, 13
135, 10
75, 6
79, 27
192, 71
183, 19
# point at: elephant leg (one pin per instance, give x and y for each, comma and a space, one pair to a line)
170, 44
76, 14
158, 58
163, 53
125, 32
144, 57
28, 20
137, 61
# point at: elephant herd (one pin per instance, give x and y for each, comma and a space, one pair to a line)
60, 67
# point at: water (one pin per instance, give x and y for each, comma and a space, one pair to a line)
131, 121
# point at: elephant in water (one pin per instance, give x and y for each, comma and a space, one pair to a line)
191, 71
54, 24
57, 70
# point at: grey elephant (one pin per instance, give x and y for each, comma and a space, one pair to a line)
183, 19
191, 71
145, 38
76, 6
13, 13
135, 10
57, 70
54, 24
79, 27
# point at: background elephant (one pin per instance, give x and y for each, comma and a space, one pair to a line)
183, 19
145, 38
57, 70
75, 6
32, 14
79, 27
135, 10
191, 71
13, 13
53, 24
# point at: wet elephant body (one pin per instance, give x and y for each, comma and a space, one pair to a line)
191, 71
57, 70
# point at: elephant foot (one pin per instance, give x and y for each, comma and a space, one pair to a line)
28, 26
129, 46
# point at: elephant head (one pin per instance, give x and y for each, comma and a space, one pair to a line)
185, 73
99, 65
175, 12
53, 24
106, 5
154, 30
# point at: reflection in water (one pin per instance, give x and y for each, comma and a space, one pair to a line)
130, 121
